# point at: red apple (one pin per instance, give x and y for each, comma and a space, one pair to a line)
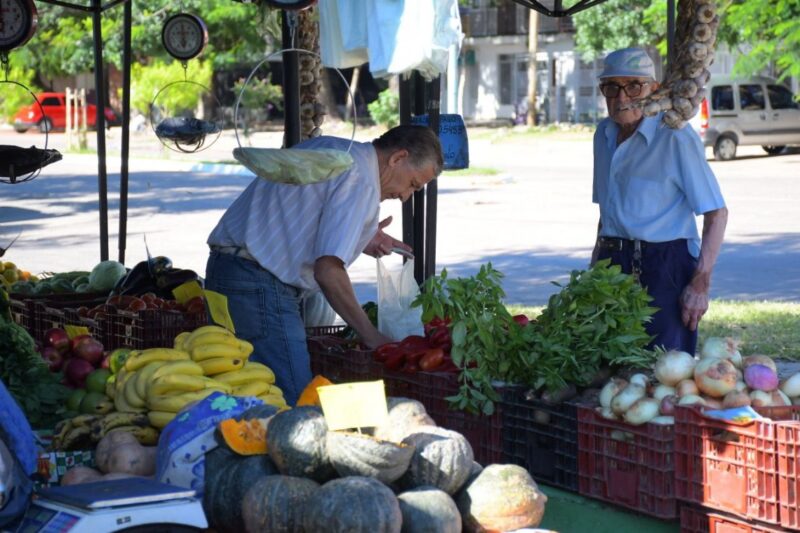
57, 338
88, 349
76, 370
106, 362
53, 358
73, 342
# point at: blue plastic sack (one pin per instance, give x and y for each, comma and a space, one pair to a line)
180, 458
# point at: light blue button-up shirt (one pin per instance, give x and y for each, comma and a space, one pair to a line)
653, 185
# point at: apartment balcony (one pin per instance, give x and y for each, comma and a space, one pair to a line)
509, 18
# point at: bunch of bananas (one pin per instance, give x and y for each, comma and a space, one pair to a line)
160, 382
224, 357
85, 431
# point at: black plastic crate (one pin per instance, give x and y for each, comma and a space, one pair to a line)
541, 437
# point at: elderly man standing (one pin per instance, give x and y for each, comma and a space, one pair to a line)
651, 182
277, 241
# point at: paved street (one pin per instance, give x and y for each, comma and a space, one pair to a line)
533, 219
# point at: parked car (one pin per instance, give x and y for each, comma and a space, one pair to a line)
756, 111
55, 114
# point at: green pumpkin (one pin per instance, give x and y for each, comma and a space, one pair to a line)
277, 503
442, 459
353, 505
429, 510
224, 512
405, 417
501, 498
296, 442
355, 454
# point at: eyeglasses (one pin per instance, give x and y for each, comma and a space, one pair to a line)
611, 90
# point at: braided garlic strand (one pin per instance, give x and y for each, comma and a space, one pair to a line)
683, 87
312, 113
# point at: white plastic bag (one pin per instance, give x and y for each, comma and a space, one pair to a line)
396, 290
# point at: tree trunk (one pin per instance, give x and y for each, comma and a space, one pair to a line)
533, 47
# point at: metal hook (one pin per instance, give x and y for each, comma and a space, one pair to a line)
185, 65
292, 21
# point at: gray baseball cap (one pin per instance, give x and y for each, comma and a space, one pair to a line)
628, 62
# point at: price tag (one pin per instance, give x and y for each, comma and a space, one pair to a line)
76, 331
354, 405
218, 307
185, 292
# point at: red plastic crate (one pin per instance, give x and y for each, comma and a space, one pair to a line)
431, 389
788, 443
49, 317
729, 467
541, 437
630, 466
336, 359
149, 328
698, 520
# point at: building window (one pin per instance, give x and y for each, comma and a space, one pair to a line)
513, 79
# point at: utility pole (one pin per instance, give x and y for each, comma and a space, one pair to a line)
533, 47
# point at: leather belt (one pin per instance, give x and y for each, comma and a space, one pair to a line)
238, 251
617, 244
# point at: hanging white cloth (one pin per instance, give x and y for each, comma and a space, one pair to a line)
342, 34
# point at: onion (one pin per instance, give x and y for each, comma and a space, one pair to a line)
712, 403
663, 420
715, 377
741, 386
687, 387
761, 377
779, 398
759, 360
641, 412
791, 386
759, 398
611, 389
691, 399
673, 367
667, 405
76, 370
719, 348
662, 391
626, 398
736, 398
606, 412
640, 379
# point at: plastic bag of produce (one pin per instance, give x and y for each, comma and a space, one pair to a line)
294, 166
396, 291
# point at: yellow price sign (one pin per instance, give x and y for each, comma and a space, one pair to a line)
354, 405
186, 291
76, 331
218, 308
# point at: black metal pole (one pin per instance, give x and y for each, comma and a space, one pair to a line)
432, 189
100, 124
670, 31
291, 84
406, 92
419, 196
126, 133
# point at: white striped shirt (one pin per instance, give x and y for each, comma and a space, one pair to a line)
286, 228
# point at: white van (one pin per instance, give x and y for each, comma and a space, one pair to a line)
754, 111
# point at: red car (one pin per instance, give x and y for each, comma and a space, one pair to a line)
55, 114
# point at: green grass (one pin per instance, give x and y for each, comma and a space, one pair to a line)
771, 328
471, 171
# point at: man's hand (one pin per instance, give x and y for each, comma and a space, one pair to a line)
694, 302
382, 243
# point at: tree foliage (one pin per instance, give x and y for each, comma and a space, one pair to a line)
63, 44
764, 31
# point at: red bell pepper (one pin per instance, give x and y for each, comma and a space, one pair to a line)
383, 352
522, 320
414, 343
431, 360
395, 360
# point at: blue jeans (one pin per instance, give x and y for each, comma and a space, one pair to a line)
266, 312
667, 268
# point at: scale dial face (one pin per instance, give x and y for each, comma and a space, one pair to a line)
18, 20
184, 36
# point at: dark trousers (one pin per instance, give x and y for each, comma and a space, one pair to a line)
666, 269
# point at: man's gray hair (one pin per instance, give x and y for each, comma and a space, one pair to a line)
422, 144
